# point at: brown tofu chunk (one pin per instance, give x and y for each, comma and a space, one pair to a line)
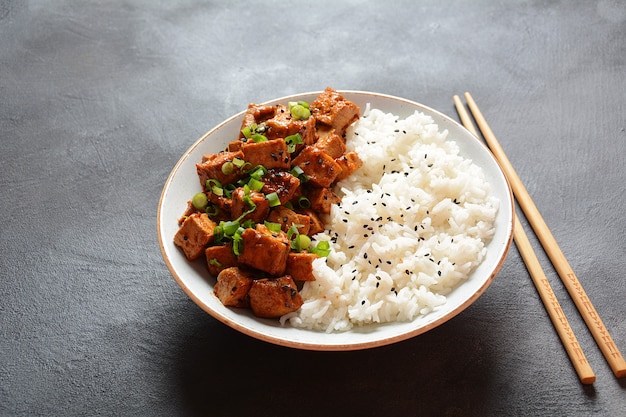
316, 225
282, 124
322, 199
274, 297
287, 217
271, 154
194, 235
321, 169
332, 110
211, 168
232, 287
219, 258
224, 204
282, 183
262, 205
331, 143
308, 131
256, 114
300, 266
264, 250
349, 163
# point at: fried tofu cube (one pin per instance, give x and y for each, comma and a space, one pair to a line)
232, 287
194, 235
316, 225
287, 218
282, 183
322, 199
264, 250
239, 206
331, 143
219, 258
300, 266
256, 114
274, 297
332, 110
282, 124
321, 168
349, 163
211, 168
270, 154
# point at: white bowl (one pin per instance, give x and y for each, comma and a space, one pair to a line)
195, 281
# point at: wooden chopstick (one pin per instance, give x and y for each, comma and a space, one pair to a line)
563, 329
574, 288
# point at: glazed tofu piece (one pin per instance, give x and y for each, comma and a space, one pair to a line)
264, 250
232, 287
349, 162
322, 199
194, 235
321, 168
211, 168
287, 217
307, 131
331, 143
256, 114
332, 110
224, 204
239, 205
219, 258
285, 185
282, 124
316, 225
300, 266
274, 297
271, 154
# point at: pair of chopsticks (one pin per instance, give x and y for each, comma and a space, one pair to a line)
552, 249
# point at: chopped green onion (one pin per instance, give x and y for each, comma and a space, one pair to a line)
199, 201
238, 162
248, 202
255, 184
212, 210
273, 199
292, 232
215, 262
296, 171
304, 202
292, 141
299, 110
273, 227
212, 182
257, 137
218, 234
228, 167
248, 224
238, 242
300, 242
230, 227
258, 172
321, 249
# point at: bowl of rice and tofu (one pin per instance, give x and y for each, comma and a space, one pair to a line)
335, 220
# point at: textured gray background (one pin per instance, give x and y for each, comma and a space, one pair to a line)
99, 99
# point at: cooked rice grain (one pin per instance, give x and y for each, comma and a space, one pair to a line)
412, 225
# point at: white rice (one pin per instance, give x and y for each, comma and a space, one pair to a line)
412, 225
